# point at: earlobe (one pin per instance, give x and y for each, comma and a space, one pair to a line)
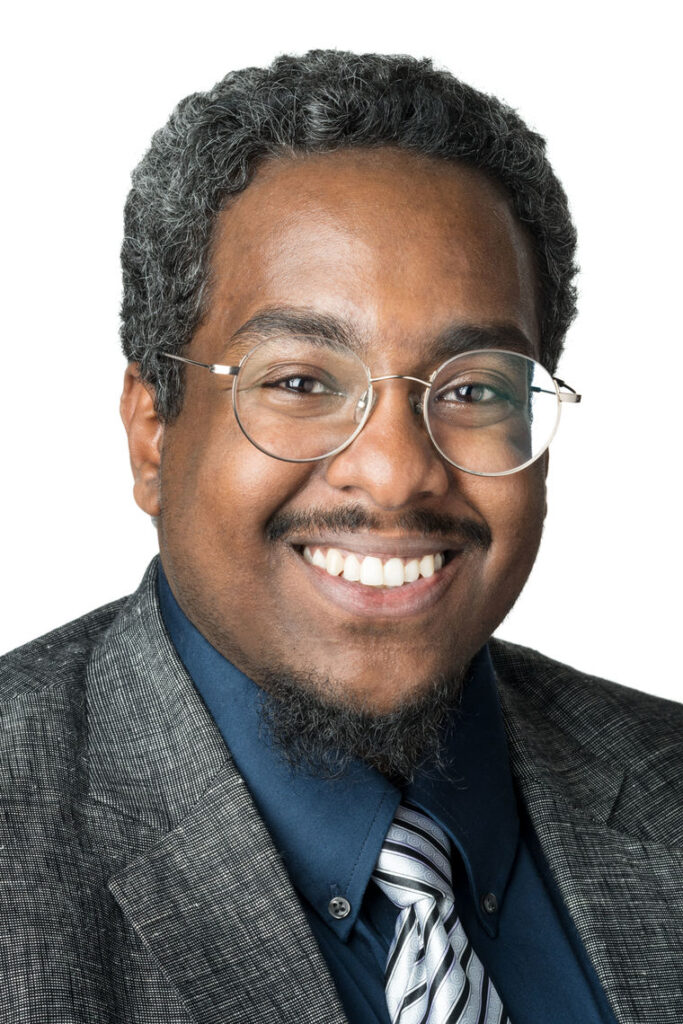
145, 436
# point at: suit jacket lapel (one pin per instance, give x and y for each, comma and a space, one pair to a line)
206, 893
214, 905
623, 891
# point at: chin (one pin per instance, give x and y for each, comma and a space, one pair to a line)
383, 687
326, 724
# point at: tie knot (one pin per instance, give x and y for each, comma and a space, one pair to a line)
414, 863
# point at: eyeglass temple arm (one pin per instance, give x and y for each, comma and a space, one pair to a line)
223, 371
570, 395
564, 396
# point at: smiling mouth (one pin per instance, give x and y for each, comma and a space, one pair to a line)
373, 570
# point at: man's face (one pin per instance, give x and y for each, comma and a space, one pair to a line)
400, 253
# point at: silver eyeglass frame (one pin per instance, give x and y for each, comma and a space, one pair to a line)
569, 396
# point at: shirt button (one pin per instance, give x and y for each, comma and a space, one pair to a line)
489, 903
339, 907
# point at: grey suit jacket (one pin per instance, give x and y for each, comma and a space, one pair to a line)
138, 884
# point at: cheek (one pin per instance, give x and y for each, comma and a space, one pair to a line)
221, 491
514, 508
525, 515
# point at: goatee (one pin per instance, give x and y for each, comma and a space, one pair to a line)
326, 736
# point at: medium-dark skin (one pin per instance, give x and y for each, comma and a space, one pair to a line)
399, 250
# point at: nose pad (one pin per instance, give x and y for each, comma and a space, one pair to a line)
415, 403
362, 403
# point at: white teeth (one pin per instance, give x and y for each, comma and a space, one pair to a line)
372, 571
351, 569
394, 573
319, 559
412, 570
334, 563
427, 566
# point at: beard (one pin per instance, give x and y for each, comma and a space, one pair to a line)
326, 736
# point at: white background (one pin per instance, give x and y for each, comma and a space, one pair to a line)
84, 87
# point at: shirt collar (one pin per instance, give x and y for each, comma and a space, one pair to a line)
329, 832
473, 797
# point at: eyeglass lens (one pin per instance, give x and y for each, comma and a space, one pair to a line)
488, 412
492, 412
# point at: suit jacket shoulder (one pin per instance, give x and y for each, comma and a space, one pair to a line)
42, 709
57, 657
562, 716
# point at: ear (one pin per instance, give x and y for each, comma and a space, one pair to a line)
145, 436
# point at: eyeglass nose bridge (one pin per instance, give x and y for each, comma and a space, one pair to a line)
416, 403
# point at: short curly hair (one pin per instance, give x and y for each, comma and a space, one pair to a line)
320, 102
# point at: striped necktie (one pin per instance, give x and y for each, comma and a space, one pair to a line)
433, 976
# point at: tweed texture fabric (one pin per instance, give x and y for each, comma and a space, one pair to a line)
138, 884
599, 768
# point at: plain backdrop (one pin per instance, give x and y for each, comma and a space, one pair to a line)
84, 87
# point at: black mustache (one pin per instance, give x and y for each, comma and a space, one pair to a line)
354, 518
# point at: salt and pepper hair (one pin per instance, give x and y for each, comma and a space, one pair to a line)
324, 101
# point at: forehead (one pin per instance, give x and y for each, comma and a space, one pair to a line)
396, 248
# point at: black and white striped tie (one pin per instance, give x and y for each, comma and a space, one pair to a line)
433, 976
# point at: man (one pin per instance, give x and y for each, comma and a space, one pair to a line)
292, 778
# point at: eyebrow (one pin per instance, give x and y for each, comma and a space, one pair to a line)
468, 337
299, 323
458, 338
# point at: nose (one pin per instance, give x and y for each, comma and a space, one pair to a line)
392, 461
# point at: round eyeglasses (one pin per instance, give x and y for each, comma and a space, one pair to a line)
489, 412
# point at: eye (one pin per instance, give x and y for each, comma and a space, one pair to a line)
475, 400
470, 394
297, 380
300, 385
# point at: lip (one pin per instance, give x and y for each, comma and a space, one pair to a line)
382, 602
